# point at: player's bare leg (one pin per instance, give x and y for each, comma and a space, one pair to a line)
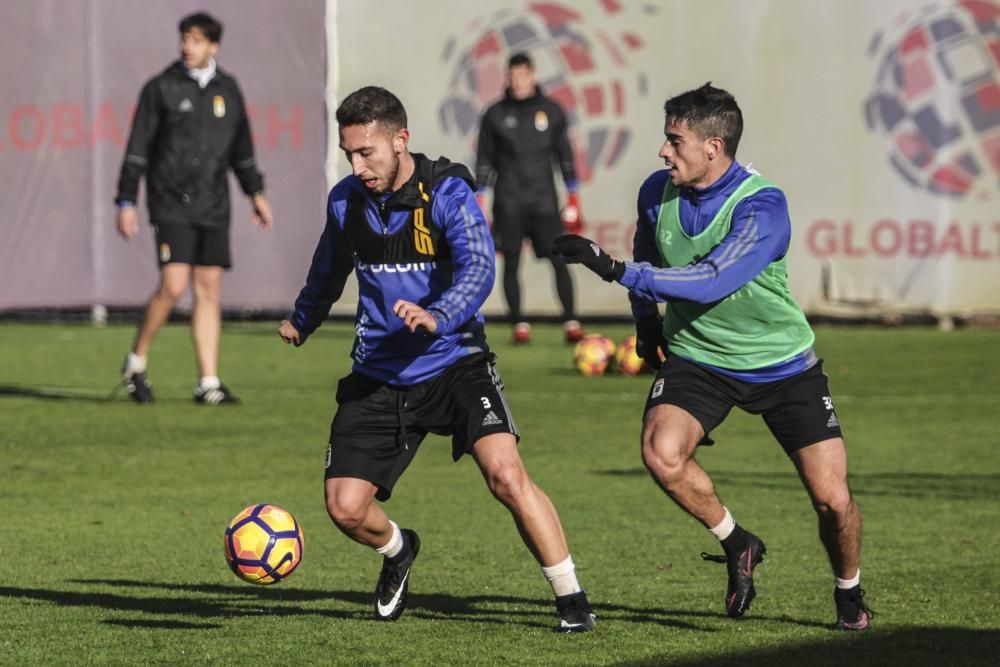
538, 523
173, 284
670, 436
823, 470
351, 504
206, 329
206, 318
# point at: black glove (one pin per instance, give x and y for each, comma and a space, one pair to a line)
649, 339
578, 250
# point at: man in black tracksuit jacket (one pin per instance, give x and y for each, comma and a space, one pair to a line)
190, 128
521, 138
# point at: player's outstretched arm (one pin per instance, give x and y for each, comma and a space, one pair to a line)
289, 333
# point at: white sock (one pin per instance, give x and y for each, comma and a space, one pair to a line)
395, 543
134, 364
562, 577
725, 526
847, 584
209, 382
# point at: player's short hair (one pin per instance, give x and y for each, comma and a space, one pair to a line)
369, 104
709, 111
520, 59
208, 24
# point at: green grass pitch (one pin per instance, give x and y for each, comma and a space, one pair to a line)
113, 514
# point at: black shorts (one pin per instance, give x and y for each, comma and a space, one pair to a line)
198, 246
378, 428
511, 227
798, 410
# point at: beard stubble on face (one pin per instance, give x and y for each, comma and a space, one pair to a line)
390, 181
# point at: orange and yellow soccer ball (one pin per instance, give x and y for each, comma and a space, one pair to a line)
263, 544
594, 354
627, 360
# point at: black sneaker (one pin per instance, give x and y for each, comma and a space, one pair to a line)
852, 613
138, 387
218, 396
740, 565
394, 580
575, 614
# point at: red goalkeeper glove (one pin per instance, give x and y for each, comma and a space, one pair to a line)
572, 219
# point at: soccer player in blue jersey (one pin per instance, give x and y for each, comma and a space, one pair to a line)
711, 242
412, 231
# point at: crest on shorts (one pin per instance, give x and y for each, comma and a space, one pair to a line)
219, 106
164, 253
541, 121
657, 389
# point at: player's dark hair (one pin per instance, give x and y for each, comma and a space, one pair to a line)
519, 59
709, 111
208, 24
369, 104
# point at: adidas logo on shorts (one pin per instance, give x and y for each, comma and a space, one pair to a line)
832, 421
491, 419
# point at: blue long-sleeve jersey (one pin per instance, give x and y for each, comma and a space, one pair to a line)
451, 282
760, 234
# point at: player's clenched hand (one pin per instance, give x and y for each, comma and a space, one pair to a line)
289, 333
578, 250
127, 222
414, 316
649, 340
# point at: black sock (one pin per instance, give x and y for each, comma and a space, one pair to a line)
736, 542
403, 553
847, 593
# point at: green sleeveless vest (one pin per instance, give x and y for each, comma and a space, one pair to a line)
756, 326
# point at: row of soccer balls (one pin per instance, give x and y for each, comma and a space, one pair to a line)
595, 355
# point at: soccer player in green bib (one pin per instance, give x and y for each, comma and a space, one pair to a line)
711, 242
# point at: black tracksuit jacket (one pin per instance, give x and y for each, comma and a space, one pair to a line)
520, 142
184, 139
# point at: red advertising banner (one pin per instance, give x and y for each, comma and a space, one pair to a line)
71, 82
